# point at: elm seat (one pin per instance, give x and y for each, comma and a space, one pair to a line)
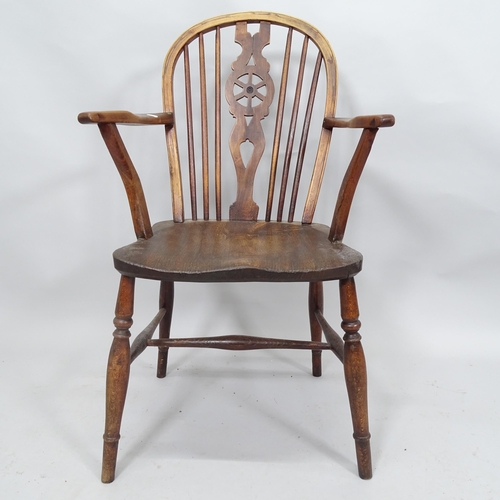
207, 251
238, 89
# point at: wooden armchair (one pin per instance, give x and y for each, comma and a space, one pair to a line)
226, 239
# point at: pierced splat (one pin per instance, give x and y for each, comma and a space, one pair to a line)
249, 93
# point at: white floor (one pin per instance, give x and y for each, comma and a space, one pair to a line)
244, 425
253, 425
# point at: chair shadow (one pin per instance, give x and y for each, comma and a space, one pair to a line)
166, 414
242, 318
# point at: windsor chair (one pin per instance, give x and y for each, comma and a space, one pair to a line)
225, 240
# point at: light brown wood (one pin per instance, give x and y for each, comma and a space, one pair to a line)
303, 138
245, 207
317, 176
204, 129
190, 134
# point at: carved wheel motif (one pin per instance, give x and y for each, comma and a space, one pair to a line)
252, 93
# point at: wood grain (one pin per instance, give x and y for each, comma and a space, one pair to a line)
117, 376
230, 251
130, 179
355, 375
126, 118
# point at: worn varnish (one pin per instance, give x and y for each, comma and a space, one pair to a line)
229, 237
204, 251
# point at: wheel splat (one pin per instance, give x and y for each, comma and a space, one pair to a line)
249, 93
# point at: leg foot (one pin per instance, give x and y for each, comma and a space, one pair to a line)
364, 457
109, 455
117, 377
355, 376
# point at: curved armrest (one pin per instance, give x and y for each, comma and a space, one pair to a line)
107, 122
368, 121
370, 125
126, 118
130, 178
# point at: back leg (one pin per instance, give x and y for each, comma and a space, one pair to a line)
355, 375
315, 303
167, 302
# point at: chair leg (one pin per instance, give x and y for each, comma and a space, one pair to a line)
315, 303
355, 375
117, 376
166, 301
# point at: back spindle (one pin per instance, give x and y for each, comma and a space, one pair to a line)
291, 130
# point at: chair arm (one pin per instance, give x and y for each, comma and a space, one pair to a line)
350, 182
368, 121
128, 174
126, 118
107, 122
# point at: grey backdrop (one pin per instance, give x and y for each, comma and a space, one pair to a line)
426, 217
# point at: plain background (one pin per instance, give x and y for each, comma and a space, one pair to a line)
254, 425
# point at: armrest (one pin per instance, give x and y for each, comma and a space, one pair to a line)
349, 184
129, 176
368, 121
126, 118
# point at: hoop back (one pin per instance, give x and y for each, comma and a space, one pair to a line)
249, 89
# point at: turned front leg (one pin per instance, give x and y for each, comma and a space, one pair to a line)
117, 377
355, 375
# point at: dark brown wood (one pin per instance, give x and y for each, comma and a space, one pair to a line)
279, 124
355, 375
370, 121
239, 343
141, 341
333, 338
241, 249
253, 104
131, 181
167, 303
315, 304
126, 118
349, 184
117, 376
237, 251
218, 147
291, 130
